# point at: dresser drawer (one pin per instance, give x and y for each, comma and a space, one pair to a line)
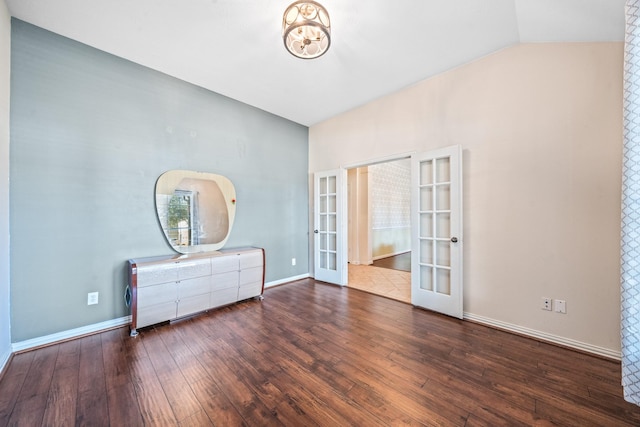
250, 275
250, 290
154, 274
224, 281
193, 287
222, 264
224, 297
156, 313
251, 259
191, 305
194, 268
157, 294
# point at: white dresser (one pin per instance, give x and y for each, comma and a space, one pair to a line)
169, 287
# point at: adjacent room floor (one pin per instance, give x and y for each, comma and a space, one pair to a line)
388, 277
394, 284
396, 262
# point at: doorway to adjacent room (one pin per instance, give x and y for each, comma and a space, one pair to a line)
379, 228
434, 225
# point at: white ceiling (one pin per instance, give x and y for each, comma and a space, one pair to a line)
235, 48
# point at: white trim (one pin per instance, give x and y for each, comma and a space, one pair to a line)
287, 280
367, 262
385, 159
543, 336
395, 227
3, 361
375, 258
69, 334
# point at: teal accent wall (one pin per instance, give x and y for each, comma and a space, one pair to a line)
90, 134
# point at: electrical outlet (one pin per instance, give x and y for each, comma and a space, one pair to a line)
293, 261
561, 306
546, 304
92, 298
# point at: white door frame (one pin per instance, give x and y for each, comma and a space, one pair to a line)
344, 189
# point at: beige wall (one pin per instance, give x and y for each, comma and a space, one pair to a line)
5, 72
358, 216
541, 130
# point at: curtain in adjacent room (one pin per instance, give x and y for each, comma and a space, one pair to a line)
630, 244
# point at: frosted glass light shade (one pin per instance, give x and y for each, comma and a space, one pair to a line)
306, 29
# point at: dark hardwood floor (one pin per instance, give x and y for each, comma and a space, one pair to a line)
313, 354
400, 262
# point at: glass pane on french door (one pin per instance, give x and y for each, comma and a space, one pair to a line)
434, 225
327, 228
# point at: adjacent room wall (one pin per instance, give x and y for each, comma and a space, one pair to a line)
541, 130
390, 194
91, 133
359, 216
5, 68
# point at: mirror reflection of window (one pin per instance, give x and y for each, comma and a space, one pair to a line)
182, 218
183, 233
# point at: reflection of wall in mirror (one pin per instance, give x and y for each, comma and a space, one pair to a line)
213, 221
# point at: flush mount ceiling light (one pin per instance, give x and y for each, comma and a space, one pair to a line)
306, 29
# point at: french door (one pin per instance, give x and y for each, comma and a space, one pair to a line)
329, 234
436, 222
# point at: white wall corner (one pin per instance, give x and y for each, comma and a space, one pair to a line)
5, 88
4, 358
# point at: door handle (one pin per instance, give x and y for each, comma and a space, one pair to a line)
315, 231
454, 239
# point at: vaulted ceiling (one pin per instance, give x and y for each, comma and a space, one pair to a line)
235, 47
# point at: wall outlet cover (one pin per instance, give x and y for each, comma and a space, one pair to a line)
92, 298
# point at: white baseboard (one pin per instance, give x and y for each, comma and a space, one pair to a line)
71, 333
4, 358
375, 258
287, 280
543, 336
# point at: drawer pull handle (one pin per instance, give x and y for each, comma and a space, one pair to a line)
127, 296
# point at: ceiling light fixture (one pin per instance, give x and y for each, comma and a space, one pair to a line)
306, 29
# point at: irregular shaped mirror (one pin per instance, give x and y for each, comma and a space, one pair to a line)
195, 210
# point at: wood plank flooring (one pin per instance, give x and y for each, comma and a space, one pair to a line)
313, 354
